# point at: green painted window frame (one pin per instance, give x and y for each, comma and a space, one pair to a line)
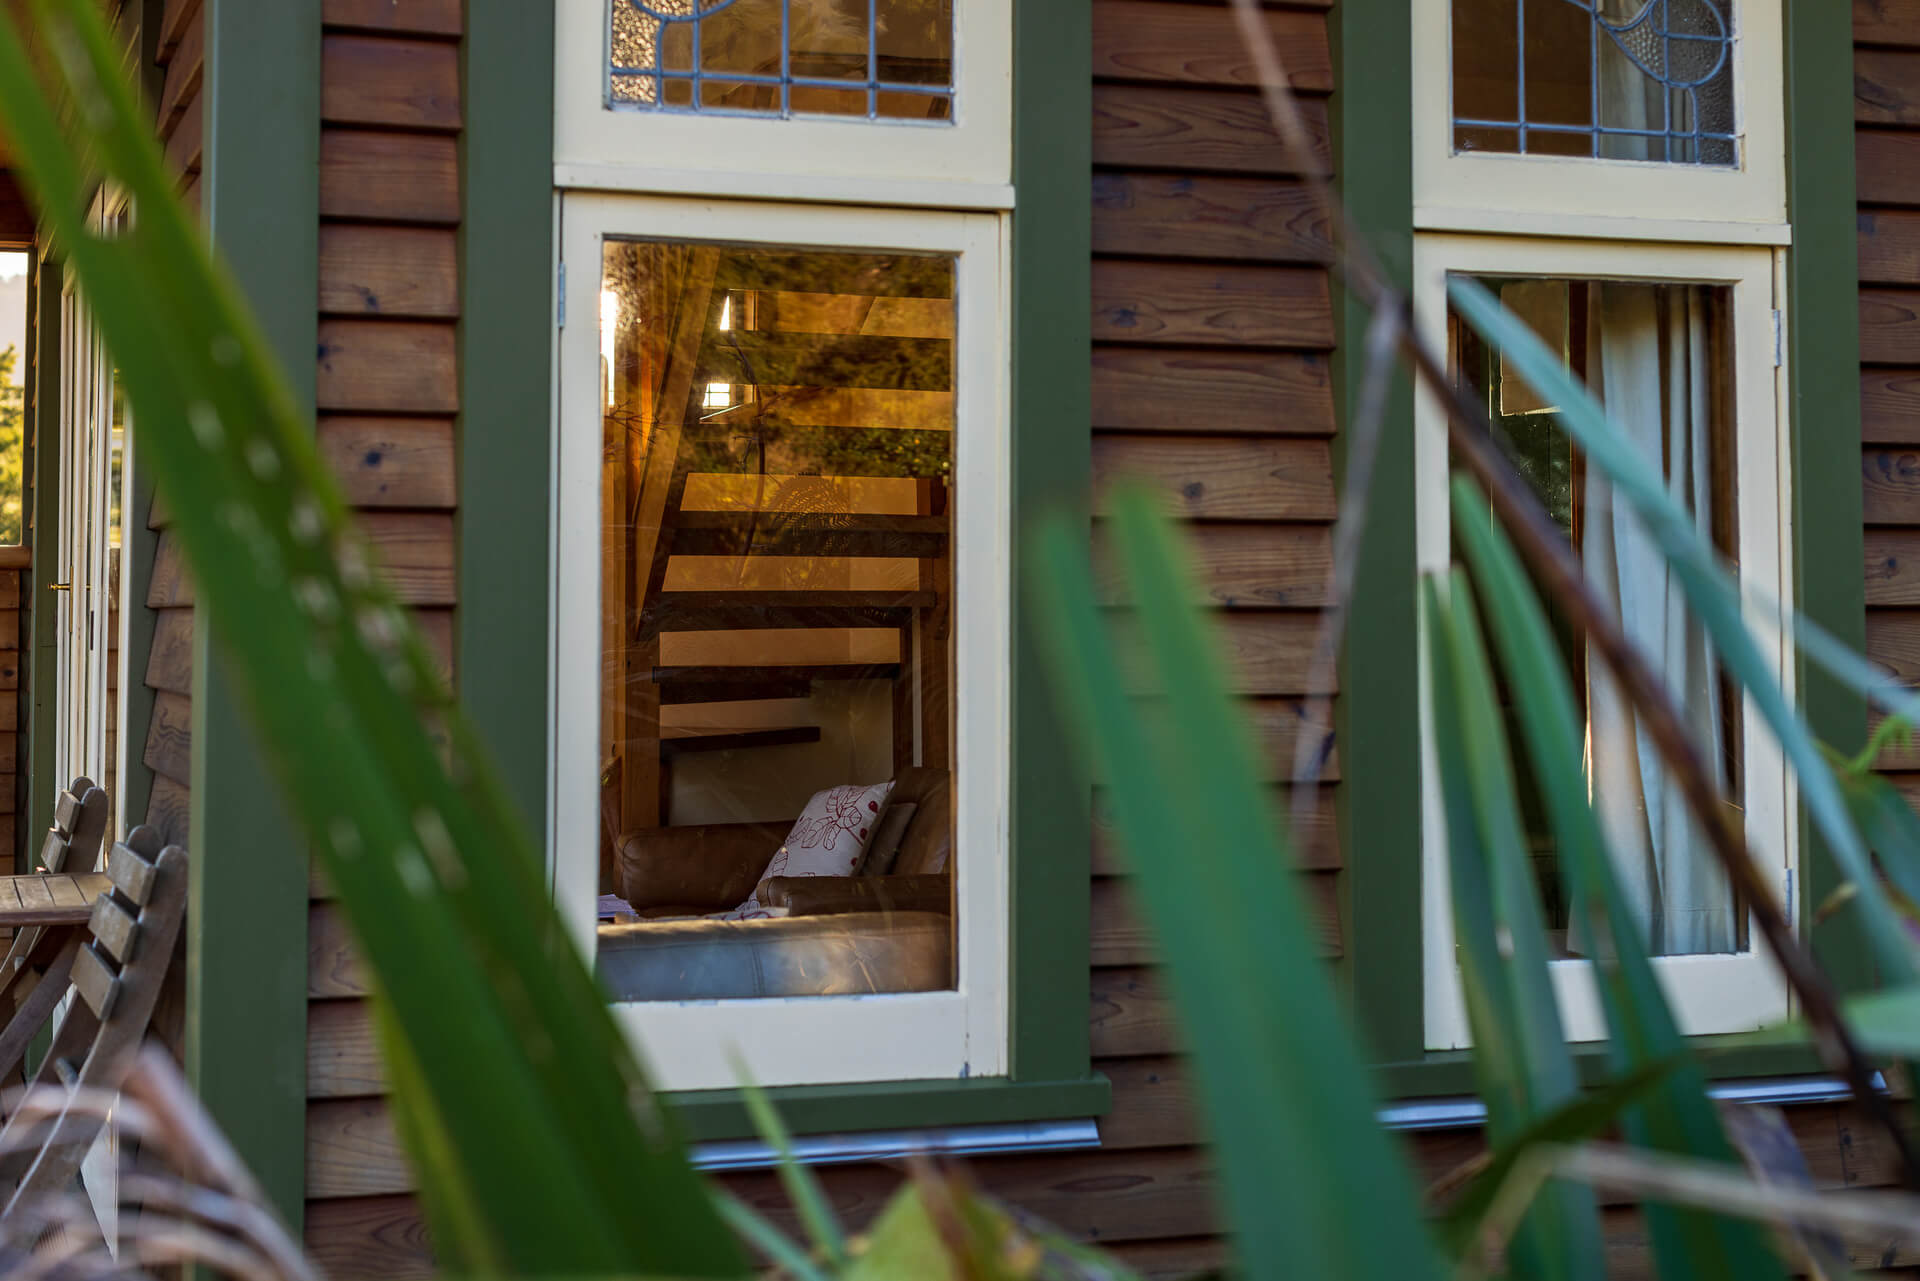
507, 287
1378, 811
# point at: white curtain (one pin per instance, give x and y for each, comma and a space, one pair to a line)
1654, 379
1627, 96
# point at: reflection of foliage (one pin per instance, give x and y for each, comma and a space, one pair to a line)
12, 448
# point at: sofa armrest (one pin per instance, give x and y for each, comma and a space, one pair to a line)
712, 866
821, 895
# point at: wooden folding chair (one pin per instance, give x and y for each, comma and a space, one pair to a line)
33, 974
117, 975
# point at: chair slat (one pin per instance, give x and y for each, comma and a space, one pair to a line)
132, 874
66, 891
33, 892
96, 983
114, 927
53, 853
66, 812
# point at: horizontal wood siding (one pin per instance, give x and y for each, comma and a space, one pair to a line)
388, 391
181, 57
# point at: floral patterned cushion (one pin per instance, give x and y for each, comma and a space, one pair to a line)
828, 839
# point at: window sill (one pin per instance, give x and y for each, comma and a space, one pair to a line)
857, 1110
1450, 1072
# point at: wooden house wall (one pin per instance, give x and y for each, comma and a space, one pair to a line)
167, 751
1212, 330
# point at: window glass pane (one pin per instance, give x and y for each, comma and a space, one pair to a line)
13, 394
1616, 79
880, 59
776, 606
1659, 357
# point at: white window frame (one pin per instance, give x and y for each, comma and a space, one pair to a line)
826, 1039
965, 164
1575, 196
1710, 994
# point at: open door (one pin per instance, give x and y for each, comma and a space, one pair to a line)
93, 427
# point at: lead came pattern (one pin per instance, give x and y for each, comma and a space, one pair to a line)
1651, 80
878, 59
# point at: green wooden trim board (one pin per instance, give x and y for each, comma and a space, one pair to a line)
1052, 450
1823, 354
247, 906
506, 389
1379, 797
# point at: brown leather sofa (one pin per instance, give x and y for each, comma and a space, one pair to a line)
842, 935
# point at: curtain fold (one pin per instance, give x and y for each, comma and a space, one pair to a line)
1655, 380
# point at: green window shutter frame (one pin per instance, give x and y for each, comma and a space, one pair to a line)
506, 376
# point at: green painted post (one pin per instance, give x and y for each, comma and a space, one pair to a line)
1823, 349
506, 381
247, 910
1052, 450
1379, 797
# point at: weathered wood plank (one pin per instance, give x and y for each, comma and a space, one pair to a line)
394, 177
1251, 219
169, 808
1240, 566
1138, 126
1228, 479
1316, 840
1192, 303
372, 366
1177, 1259
171, 586
403, 272
1893, 641
1890, 326
183, 144
400, 83
391, 462
1132, 1015
1214, 391
186, 68
1886, 22
1144, 40
352, 1150
169, 748
1890, 486
1893, 566
334, 968
369, 1237
414, 552
1890, 406
175, 18
170, 660
1119, 937
399, 17
1886, 87
342, 1059
1267, 653
1887, 162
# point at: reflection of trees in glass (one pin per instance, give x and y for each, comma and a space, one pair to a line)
12, 447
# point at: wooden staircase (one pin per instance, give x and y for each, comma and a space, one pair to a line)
803, 514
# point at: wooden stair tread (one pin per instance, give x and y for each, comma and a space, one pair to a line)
776, 675
681, 742
751, 598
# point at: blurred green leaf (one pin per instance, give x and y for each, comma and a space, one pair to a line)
1887, 1022
1712, 597
802, 1188
1520, 1048
1678, 1117
1311, 1185
511, 1069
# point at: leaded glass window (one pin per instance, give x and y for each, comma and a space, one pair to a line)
878, 59
1610, 79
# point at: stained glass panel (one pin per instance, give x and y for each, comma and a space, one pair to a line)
1609, 79
877, 59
